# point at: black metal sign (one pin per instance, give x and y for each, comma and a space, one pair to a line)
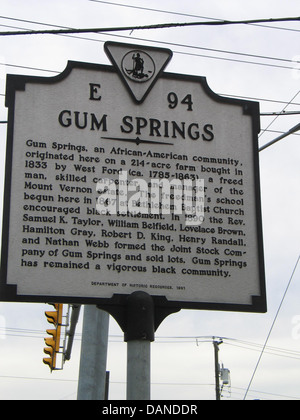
125, 178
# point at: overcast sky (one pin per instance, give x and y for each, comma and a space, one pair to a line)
252, 61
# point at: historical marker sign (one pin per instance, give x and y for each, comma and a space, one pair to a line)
123, 178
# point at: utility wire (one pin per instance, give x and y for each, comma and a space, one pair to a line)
280, 132
272, 114
246, 345
260, 99
160, 42
209, 56
148, 9
288, 354
262, 57
182, 14
155, 26
184, 46
34, 22
266, 393
271, 329
288, 133
214, 50
28, 68
272, 122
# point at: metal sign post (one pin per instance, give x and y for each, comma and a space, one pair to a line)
139, 315
138, 370
92, 372
139, 335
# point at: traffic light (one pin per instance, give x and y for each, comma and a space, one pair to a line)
52, 342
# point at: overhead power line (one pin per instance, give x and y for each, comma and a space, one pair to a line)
272, 114
206, 56
286, 60
277, 116
193, 47
234, 53
28, 68
288, 133
272, 327
155, 26
169, 12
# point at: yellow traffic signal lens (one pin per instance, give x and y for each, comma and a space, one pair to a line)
49, 351
48, 361
52, 317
